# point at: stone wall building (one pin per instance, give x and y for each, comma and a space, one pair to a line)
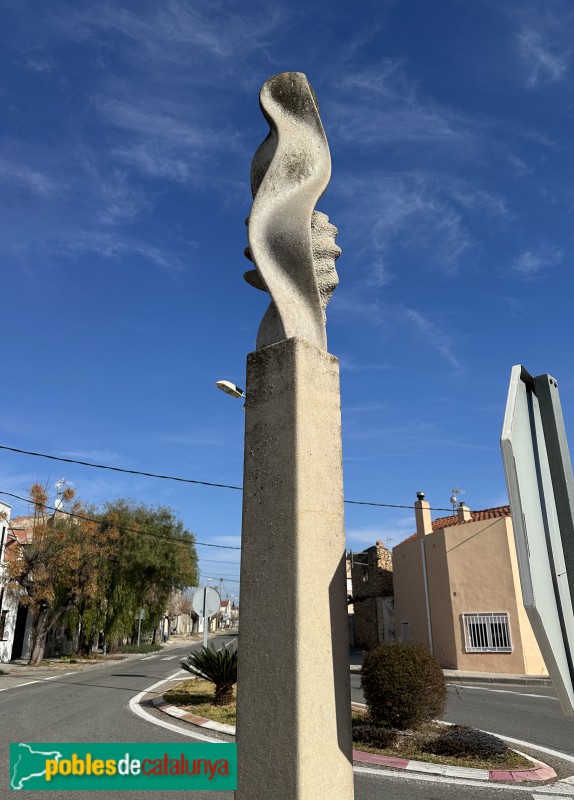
372, 582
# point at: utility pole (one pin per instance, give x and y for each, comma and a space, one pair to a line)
220, 596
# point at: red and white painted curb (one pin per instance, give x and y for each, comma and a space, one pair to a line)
173, 711
538, 771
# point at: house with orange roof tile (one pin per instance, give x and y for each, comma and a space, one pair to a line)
457, 590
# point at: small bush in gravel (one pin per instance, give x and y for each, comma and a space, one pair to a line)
459, 740
403, 685
374, 735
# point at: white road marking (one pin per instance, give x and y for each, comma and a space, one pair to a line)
544, 796
547, 750
58, 676
140, 712
419, 776
168, 658
18, 685
503, 691
147, 658
556, 790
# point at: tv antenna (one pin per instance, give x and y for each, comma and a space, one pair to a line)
454, 498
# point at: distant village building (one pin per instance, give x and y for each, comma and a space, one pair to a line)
372, 587
15, 616
457, 590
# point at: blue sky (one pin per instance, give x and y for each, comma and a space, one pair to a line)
127, 137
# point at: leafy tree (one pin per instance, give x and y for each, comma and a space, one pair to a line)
54, 565
154, 556
97, 569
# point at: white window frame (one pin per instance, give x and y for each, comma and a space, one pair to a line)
487, 620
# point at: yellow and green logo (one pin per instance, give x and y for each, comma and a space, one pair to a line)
85, 766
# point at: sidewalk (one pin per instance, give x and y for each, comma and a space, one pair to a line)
465, 676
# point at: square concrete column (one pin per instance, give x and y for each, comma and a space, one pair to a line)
293, 692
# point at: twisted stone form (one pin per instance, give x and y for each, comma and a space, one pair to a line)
292, 245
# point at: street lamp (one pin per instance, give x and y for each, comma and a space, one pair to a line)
230, 388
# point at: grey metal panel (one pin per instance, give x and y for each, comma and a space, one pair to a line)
560, 465
545, 591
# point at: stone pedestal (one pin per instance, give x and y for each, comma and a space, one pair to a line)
293, 692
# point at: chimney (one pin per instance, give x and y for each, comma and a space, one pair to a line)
422, 516
463, 512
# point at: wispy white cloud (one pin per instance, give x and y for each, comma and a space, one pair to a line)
99, 456
534, 263
543, 63
152, 160
116, 199
408, 212
353, 366
519, 166
388, 80
360, 409
167, 142
213, 438
383, 106
40, 64
110, 244
476, 200
411, 123
435, 336
24, 176
176, 31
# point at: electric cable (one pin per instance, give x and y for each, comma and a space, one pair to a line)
187, 480
180, 540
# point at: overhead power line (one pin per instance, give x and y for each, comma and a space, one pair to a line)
186, 480
118, 469
177, 539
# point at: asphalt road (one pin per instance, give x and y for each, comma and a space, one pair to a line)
93, 705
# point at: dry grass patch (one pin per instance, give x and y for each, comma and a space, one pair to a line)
197, 696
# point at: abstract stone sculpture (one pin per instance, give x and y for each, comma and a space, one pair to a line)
293, 693
292, 245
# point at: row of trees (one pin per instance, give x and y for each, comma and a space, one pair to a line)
93, 569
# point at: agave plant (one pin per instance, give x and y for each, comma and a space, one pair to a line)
216, 666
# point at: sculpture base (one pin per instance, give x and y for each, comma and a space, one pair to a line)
293, 693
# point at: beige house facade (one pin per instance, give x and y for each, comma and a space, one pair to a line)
457, 590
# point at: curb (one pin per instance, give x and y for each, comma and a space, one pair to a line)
539, 771
519, 681
162, 705
516, 680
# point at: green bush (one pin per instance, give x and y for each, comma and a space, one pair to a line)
374, 735
403, 685
216, 666
72, 658
459, 740
141, 648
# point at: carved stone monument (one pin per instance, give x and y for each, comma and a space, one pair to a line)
293, 691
